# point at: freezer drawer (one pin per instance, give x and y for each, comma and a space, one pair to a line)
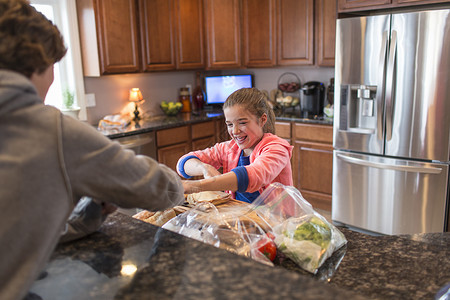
389, 196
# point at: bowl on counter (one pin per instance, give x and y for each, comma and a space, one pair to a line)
171, 108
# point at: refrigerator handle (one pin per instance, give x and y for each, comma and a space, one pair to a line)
390, 85
403, 168
382, 75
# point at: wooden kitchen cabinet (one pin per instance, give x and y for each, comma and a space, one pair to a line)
172, 34
313, 163
295, 32
189, 32
312, 160
325, 32
288, 33
157, 34
109, 36
154, 35
351, 4
359, 5
170, 155
283, 130
203, 135
258, 33
223, 37
221, 131
172, 143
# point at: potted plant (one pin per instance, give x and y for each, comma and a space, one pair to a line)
69, 107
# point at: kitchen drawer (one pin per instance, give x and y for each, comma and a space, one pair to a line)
172, 136
313, 133
201, 144
283, 129
201, 130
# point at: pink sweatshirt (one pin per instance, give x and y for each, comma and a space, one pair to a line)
270, 162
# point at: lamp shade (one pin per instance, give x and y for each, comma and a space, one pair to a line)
135, 95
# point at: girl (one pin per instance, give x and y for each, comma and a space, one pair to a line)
251, 160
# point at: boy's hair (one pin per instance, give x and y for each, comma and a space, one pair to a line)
256, 103
29, 41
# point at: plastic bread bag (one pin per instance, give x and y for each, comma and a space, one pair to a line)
231, 230
301, 234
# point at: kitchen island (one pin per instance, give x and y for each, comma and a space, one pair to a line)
130, 259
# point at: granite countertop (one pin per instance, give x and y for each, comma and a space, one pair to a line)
149, 124
171, 266
164, 122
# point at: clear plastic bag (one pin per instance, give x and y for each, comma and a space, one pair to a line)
231, 228
280, 215
300, 232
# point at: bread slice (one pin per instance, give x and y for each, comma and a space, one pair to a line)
158, 218
142, 215
214, 197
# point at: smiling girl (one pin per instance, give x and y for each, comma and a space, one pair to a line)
254, 157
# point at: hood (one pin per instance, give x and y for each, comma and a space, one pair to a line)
16, 91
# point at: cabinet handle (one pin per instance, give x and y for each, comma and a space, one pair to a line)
316, 150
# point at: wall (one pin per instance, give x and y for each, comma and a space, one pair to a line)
111, 91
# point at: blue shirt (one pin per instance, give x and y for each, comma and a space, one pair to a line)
245, 196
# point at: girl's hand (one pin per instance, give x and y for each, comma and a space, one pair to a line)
209, 171
194, 167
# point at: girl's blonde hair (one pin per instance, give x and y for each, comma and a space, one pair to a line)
256, 103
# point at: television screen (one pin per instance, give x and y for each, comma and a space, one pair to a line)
218, 88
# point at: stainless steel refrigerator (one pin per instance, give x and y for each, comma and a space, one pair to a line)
392, 122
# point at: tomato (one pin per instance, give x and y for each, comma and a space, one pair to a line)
267, 247
271, 236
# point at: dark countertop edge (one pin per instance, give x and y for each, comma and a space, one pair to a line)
163, 122
304, 120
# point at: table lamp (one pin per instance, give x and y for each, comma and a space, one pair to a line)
136, 97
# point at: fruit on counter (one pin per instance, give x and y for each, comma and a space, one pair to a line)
171, 108
288, 101
289, 87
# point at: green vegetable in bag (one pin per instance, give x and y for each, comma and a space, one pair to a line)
314, 230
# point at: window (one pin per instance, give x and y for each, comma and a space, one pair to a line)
68, 72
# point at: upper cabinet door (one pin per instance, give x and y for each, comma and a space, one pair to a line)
157, 31
259, 35
117, 35
351, 4
295, 32
189, 34
223, 34
360, 5
325, 24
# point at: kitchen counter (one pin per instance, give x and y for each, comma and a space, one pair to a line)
148, 124
163, 122
171, 266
